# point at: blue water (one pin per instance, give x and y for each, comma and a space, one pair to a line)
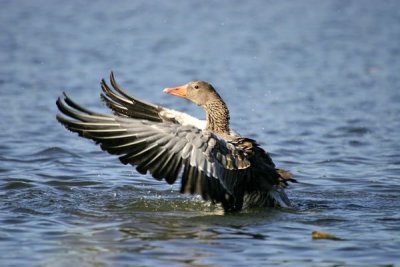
317, 83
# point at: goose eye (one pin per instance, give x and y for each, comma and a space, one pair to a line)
196, 87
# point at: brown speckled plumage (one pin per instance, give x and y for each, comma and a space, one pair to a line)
217, 115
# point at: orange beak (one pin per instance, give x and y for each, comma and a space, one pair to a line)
180, 91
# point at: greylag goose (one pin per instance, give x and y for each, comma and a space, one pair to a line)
212, 161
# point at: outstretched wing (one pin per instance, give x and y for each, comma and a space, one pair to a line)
209, 166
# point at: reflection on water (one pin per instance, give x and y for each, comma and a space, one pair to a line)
316, 83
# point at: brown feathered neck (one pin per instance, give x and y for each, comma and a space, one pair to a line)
217, 114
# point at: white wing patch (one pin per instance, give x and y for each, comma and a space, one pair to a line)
183, 118
188, 120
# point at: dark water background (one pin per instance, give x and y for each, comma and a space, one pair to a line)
317, 83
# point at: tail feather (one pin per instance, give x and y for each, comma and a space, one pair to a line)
285, 176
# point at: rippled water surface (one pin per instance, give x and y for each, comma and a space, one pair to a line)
317, 83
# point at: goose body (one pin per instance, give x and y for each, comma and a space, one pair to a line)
211, 159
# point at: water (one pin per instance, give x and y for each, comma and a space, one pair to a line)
317, 83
